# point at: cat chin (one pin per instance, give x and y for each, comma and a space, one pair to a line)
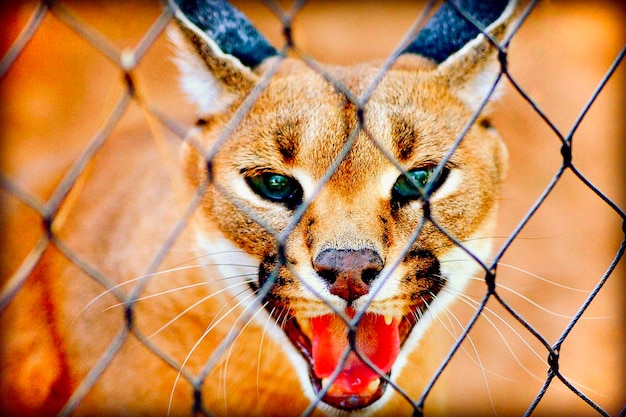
330, 411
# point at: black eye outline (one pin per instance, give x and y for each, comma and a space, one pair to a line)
277, 188
412, 185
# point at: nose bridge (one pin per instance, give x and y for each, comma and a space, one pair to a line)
346, 222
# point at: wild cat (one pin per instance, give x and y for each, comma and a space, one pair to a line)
335, 210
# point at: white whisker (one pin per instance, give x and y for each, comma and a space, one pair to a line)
197, 343
130, 281
178, 268
525, 272
172, 290
478, 361
547, 281
192, 306
528, 300
473, 304
542, 359
233, 341
258, 365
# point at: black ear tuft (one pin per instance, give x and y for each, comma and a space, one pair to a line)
229, 28
447, 31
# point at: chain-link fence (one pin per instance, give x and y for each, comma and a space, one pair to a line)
90, 99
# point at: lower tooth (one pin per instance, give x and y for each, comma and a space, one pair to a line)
325, 382
373, 386
305, 327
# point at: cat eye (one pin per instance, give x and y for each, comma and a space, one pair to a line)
410, 186
276, 187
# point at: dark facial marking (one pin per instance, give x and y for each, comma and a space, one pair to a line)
404, 138
286, 136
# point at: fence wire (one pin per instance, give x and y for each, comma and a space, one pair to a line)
50, 210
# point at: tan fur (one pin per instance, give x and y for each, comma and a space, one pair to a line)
297, 127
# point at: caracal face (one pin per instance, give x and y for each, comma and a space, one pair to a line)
352, 213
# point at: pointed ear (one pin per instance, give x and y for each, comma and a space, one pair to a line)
468, 61
217, 50
473, 70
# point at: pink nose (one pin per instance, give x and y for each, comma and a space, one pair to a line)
348, 272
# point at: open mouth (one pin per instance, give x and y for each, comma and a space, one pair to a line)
348, 381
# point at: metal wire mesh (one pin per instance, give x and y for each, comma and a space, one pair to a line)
137, 88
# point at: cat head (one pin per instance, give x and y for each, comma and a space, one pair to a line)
364, 194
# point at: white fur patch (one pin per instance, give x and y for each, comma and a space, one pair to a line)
306, 182
235, 265
386, 182
477, 90
197, 82
450, 185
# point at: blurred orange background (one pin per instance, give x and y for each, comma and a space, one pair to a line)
60, 89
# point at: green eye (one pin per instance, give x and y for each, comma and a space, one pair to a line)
405, 189
276, 187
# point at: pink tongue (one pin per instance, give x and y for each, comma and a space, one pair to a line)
376, 340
